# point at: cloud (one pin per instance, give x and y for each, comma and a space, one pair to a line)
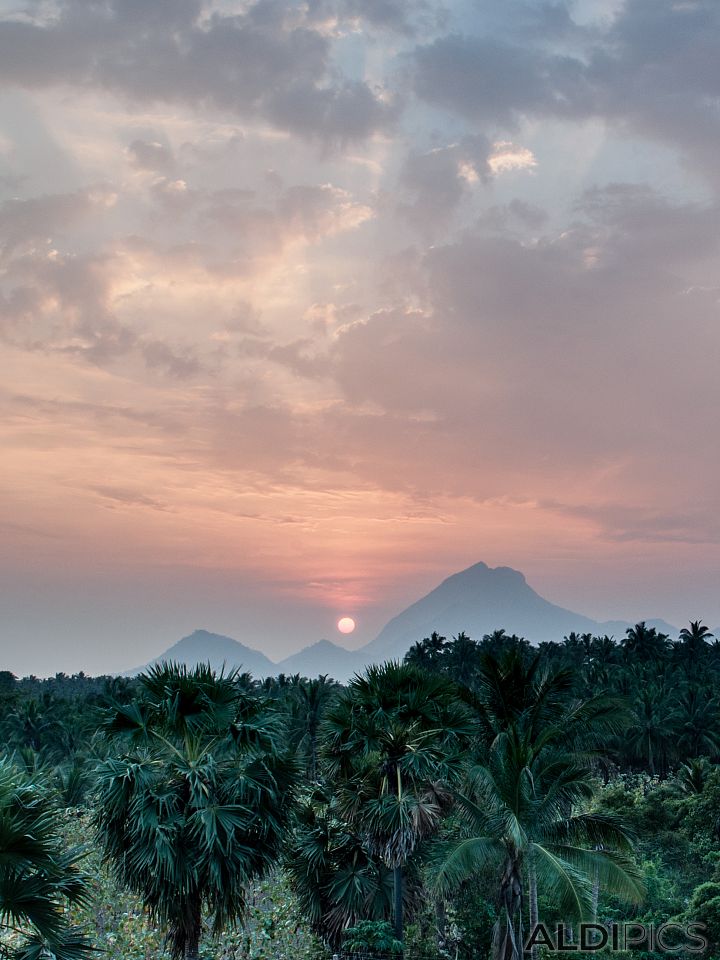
263, 62
25, 221
650, 70
494, 84
151, 155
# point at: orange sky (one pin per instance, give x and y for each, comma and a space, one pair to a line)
309, 306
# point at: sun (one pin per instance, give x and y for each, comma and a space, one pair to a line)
346, 624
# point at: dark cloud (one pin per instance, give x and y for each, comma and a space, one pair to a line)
438, 179
494, 83
652, 70
264, 62
26, 221
151, 155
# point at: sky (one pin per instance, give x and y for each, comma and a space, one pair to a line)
305, 306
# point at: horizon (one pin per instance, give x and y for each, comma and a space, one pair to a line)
248, 643
306, 306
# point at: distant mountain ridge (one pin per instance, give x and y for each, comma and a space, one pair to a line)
477, 601
481, 599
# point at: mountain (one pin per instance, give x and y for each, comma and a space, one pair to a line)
320, 658
202, 646
479, 600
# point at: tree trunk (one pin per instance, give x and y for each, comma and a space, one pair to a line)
193, 929
398, 884
508, 937
533, 904
440, 923
595, 892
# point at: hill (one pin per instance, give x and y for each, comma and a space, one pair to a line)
323, 657
479, 600
201, 646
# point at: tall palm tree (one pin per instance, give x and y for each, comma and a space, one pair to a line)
461, 658
649, 737
645, 643
306, 703
522, 814
528, 698
427, 652
39, 875
695, 724
393, 741
693, 645
197, 802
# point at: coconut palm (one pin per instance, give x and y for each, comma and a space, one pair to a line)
197, 801
427, 652
645, 643
693, 645
461, 658
695, 724
512, 689
393, 741
39, 875
649, 737
521, 816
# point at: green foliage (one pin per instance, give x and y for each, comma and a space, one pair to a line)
389, 766
704, 907
197, 802
39, 876
371, 937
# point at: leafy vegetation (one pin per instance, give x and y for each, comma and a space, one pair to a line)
438, 807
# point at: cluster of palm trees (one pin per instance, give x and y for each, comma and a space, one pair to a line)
471, 762
669, 686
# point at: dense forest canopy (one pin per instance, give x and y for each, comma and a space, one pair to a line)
439, 807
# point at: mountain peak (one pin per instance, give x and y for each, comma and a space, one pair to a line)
478, 600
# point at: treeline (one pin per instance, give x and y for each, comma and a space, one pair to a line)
440, 807
670, 687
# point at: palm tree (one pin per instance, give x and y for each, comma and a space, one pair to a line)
522, 696
39, 875
338, 881
649, 737
692, 776
520, 815
307, 703
427, 652
30, 725
393, 741
461, 658
197, 802
695, 724
645, 643
692, 646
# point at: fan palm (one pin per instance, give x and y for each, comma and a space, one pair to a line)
337, 880
197, 802
39, 876
520, 816
392, 744
307, 702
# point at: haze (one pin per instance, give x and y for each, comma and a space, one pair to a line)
304, 306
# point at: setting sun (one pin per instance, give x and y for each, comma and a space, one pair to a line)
346, 625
